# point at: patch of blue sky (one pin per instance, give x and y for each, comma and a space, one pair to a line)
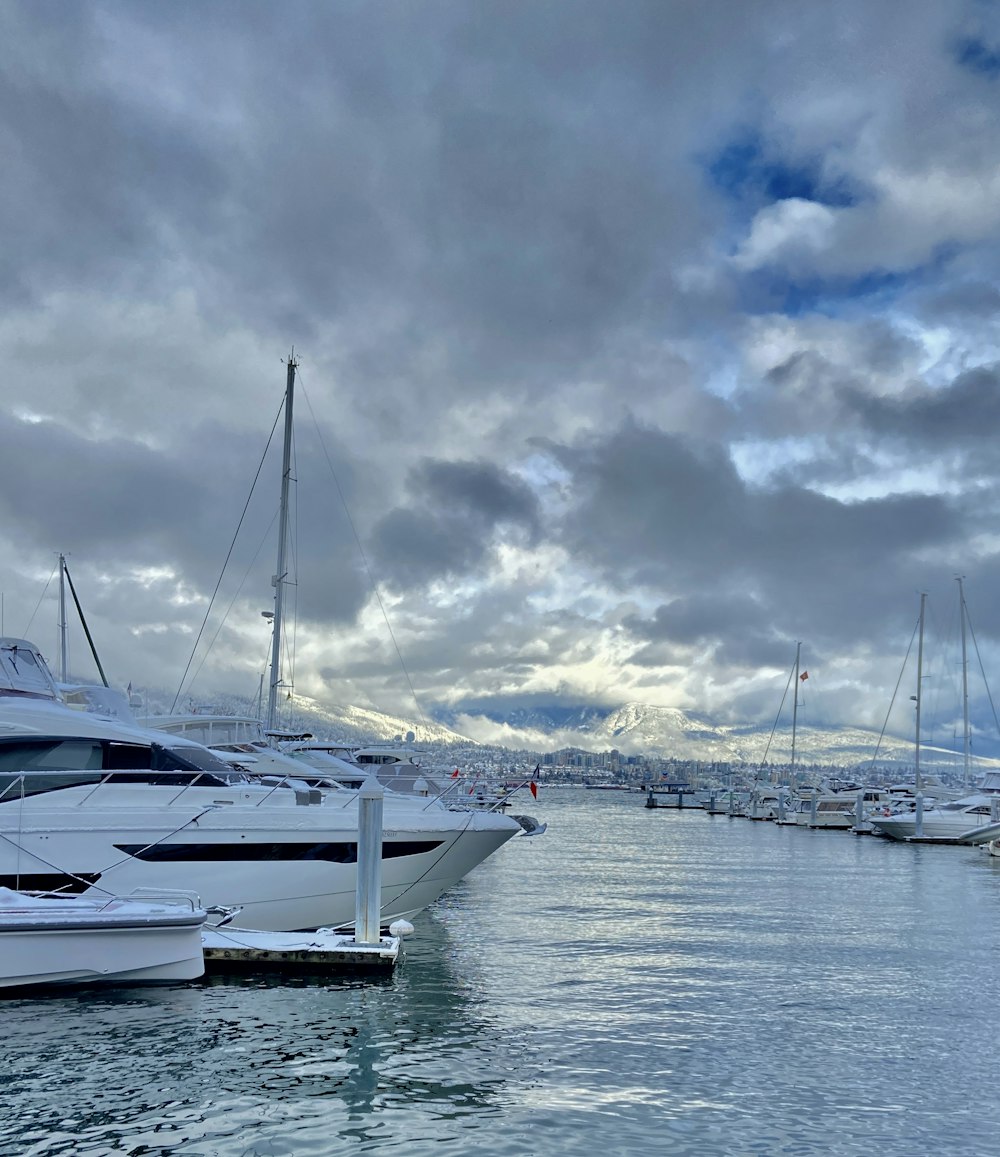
978, 56
758, 461
770, 290
747, 171
764, 463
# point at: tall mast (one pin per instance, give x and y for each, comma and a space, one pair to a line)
795, 713
278, 581
63, 665
965, 686
918, 783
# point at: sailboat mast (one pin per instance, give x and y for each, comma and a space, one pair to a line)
63, 664
278, 581
795, 713
917, 782
965, 686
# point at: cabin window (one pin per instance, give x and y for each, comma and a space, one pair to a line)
60, 755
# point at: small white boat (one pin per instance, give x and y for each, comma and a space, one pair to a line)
61, 939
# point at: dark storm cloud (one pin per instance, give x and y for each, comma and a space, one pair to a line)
739, 633
736, 630
59, 491
450, 163
671, 515
455, 512
487, 223
693, 619
115, 503
94, 184
966, 411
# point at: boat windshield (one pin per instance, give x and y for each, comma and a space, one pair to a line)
58, 753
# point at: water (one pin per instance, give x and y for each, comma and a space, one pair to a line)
632, 981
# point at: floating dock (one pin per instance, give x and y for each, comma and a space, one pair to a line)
325, 949
227, 947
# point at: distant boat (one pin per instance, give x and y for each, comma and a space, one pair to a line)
949, 820
946, 819
768, 802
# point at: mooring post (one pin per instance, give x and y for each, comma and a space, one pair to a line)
368, 895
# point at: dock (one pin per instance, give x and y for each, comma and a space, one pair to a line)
226, 947
323, 950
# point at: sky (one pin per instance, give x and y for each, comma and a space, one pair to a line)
637, 342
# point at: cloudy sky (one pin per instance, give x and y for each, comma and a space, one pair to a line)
637, 342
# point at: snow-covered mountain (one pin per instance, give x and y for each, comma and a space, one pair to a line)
632, 729
339, 722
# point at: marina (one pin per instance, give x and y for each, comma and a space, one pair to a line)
631, 982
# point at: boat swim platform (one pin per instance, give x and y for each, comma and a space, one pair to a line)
953, 840
322, 951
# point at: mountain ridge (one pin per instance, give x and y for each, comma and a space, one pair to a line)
632, 729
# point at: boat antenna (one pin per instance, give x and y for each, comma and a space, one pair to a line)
278, 580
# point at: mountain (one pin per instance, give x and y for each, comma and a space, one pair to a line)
668, 731
632, 729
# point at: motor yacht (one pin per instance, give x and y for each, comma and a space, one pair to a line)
90, 803
950, 819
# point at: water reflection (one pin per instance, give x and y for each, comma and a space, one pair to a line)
100, 1066
635, 980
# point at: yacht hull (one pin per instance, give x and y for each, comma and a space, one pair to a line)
287, 867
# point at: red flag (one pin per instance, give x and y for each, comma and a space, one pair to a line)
804, 676
454, 774
533, 788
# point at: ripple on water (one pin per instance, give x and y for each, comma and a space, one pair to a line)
632, 981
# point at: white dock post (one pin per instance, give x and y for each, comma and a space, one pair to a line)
813, 804
918, 827
781, 806
368, 896
859, 810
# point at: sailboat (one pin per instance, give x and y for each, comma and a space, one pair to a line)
953, 818
771, 802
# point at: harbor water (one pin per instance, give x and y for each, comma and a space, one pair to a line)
632, 981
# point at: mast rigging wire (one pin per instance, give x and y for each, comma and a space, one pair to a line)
229, 553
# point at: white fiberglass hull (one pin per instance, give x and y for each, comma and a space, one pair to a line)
936, 825
286, 867
84, 941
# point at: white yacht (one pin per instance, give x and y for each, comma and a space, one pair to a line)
48, 939
88, 803
954, 818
